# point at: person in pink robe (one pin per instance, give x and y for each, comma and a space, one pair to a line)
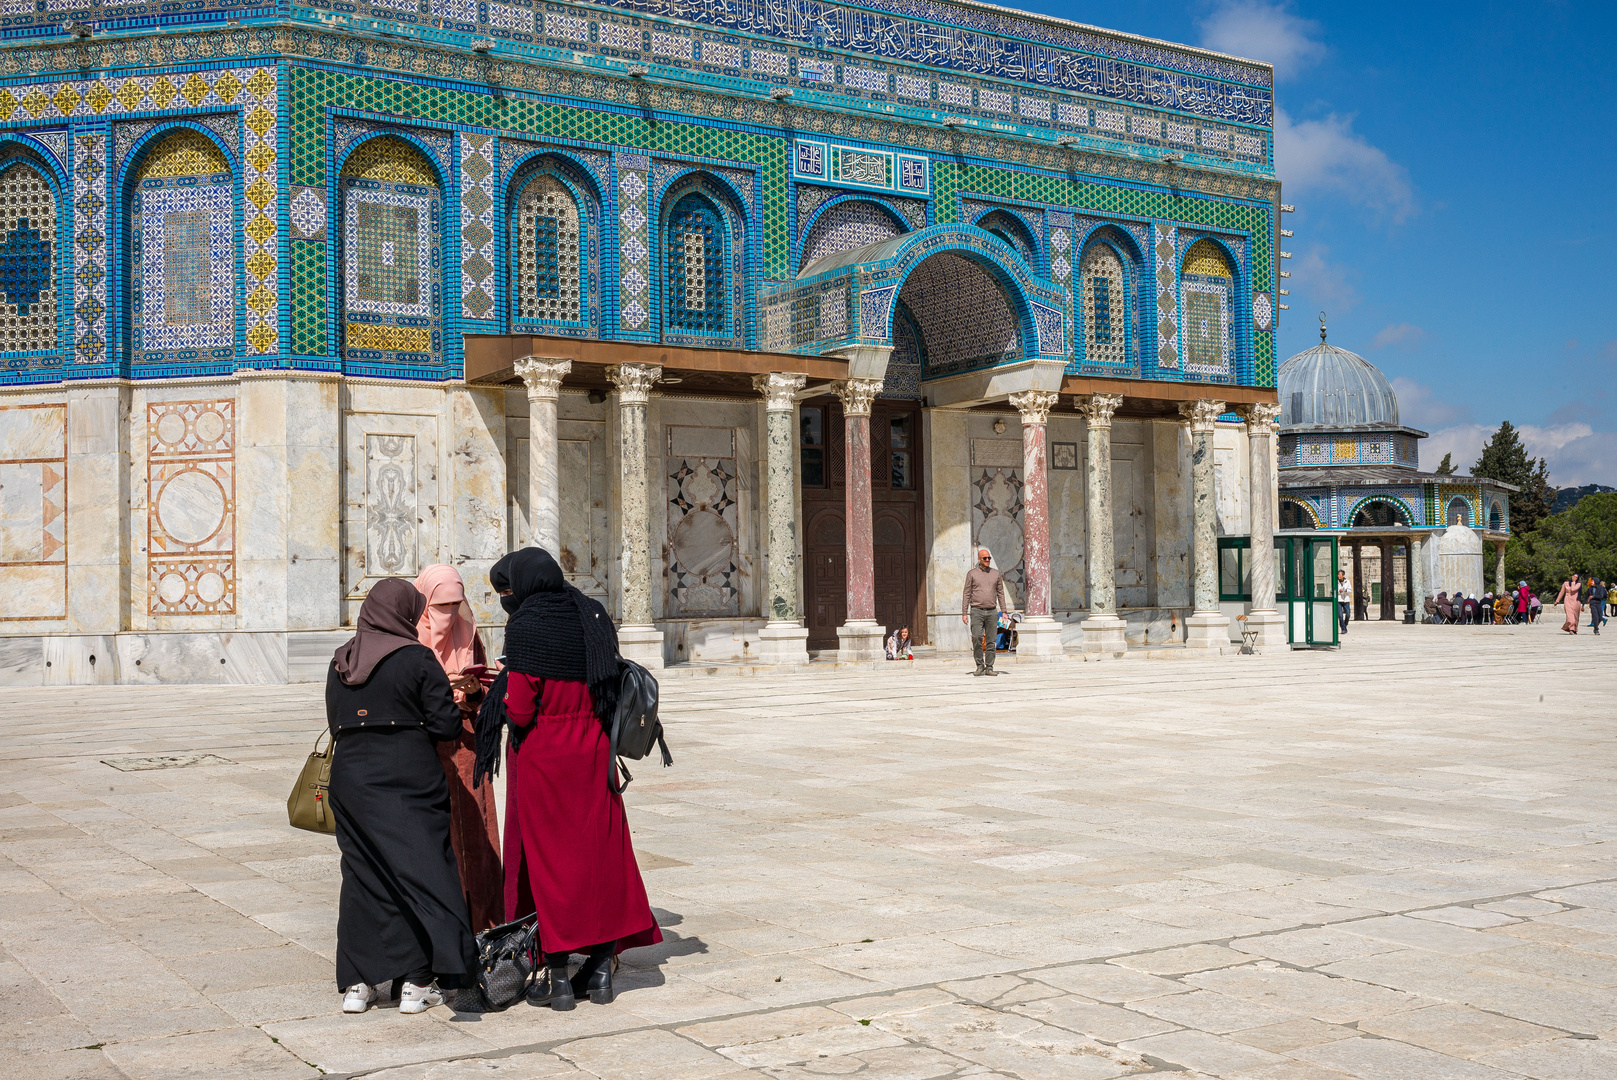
448, 628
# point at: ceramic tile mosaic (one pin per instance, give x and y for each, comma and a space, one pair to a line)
182, 290
848, 225
392, 208
90, 229
963, 315
1206, 286
27, 260
635, 247
477, 279
1105, 329
550, 269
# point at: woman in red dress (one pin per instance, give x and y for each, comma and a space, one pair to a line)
568, 854
448, 628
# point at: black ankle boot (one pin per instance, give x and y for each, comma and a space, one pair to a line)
594, 979
553, 988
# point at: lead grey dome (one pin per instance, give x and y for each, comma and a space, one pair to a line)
1329, 387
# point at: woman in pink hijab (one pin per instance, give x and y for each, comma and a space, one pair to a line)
449, 630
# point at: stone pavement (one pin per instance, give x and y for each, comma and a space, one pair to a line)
1389, 862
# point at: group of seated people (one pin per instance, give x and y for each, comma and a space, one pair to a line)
1476, 611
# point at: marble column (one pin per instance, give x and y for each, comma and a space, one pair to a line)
1499, 568
1264, 617
638, 638
1417, 577
1207, 627
1103, 630
1359, 611
1039, 636
542, 376
1389, 578
1409, 579
861, 637
784, 638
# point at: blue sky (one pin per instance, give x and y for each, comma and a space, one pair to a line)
1454, 169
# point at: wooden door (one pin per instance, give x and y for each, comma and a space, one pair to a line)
825, 575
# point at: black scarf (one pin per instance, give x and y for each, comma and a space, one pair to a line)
555, 632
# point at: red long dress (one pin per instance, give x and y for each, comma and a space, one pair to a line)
474, 822
568, 854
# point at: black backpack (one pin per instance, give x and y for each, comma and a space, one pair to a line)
635, 727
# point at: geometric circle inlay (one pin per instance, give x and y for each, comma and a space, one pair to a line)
191, 507
171, 587
171, 428
210, 588
209, 426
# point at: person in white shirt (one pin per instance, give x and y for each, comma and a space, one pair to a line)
1344, 599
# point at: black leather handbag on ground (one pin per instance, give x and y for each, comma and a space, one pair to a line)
506, 958
635, 726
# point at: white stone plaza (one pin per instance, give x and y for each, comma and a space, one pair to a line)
1388, 861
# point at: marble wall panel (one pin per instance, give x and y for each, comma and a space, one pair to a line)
1171, 514
106, 538
191, 507
700, 548
1231, 468
393, 523
1132, 531
477, 483
947, 500
33, 512
996, 502
1069, 583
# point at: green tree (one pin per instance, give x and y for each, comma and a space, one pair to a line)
1505, 459
1581, 541
1446, 467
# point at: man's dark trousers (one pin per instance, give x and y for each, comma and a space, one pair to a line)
984, 624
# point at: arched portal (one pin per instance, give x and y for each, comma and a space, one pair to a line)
1458, 513
965, 318
1379, 514
1293, 515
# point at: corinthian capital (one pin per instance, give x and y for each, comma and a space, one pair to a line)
1260, 417
542, 375
1202, 414
634, 381
1034, 405
857, 395
779, 389
1098, 408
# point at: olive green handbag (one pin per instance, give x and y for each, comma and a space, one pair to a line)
309, 805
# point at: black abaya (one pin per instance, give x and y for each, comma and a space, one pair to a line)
401, 909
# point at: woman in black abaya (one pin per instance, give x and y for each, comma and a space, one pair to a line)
402, 915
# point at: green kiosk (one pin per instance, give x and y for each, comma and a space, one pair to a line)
1305, 587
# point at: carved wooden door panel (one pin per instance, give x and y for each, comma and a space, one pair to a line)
894, 529
825, 575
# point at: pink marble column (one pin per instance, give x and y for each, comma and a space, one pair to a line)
1039, 635
860, 638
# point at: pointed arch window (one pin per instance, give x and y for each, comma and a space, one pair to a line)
697, 282
1013, 230
27, 269
1101, 277
392, 209
1208, 286
549, 279
182, 295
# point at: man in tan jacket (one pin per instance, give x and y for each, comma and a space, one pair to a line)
980, 607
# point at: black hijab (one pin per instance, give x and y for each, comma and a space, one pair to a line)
554, 632
387, 623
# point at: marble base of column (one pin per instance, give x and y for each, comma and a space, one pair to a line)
1038, 639
861, 640
1207, 630
1271, 628
1104, 635
783, 643
642, 644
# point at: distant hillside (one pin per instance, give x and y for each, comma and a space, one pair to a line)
1566, 498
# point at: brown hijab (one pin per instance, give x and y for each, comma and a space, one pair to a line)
386, 624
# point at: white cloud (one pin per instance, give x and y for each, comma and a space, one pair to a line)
1322, 282
1402, 334
1575, 453
1266, 32
1420, 408
1326, 156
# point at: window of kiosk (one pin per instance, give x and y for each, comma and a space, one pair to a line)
1234, 568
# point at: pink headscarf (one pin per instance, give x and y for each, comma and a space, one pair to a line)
448, 633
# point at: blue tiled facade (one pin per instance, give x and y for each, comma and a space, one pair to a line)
786, 131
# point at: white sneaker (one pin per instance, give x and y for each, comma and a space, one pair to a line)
419, 998
358, 998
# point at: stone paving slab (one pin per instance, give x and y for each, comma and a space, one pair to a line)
1387, 862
